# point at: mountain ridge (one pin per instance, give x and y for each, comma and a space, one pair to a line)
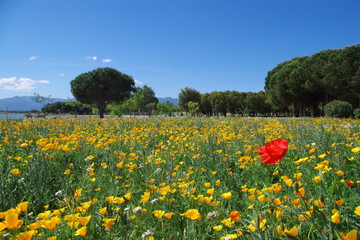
26, 103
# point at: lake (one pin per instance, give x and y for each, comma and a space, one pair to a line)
12, 116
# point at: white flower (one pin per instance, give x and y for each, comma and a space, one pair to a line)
135, 210
58, 193
147, 233
154, 200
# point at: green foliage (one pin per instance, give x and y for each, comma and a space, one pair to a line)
193, 108
338, 109
70, 107
166, 108
41, 99
101, 87
305, 83
357, 113
188, 95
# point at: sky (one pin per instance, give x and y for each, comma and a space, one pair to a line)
207, 45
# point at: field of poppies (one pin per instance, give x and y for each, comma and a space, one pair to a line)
180, 178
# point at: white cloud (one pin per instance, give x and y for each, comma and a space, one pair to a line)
32, 58
107, 60
20, 84
61, 74
94, 58
138, 82
43, 81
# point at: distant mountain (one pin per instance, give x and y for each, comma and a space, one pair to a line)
22, 104
174, 101
26, 103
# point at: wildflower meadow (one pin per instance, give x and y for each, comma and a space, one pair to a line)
180, 178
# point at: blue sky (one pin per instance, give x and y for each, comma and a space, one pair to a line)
208, 45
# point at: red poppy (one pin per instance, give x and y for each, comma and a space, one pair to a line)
350, 183
273, 151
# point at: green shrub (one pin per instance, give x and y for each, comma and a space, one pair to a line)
338, 109
357, 113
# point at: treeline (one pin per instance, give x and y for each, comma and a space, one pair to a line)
326, 83
223, 103
142, 101
305, 85
69, 107
302, 86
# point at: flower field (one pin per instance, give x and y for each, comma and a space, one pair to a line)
180, 178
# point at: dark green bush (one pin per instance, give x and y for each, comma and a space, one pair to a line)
357, 113
338, 109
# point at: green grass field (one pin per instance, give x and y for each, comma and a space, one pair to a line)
178, 178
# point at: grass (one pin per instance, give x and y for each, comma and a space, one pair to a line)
178, 178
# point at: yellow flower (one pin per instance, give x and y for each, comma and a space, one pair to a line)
67, 172
103, 210
119, 200
210, 191
51, 223
340, 173
228, 222
278, 202
294, 231
253, 226
304, 216
192, 214
23, 206
24, 145
77, 193
317, 179
279, 231
109, 199
158, 213
289, 182
84, 220
145, 197
229, 236
168, 215
207, 184
335, 218
15, 171
218, 182
71, 217
352, 235
11, 222
355, 150
81, 231
226, 195
108, 222
26, 235
298, 176
128, 196
218, 228
357, 210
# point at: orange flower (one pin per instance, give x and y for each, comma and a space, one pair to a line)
273, 151
81, 231
192, 214
352, 235
226, 195
11, 221
235, 216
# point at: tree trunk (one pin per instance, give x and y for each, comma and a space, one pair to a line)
101, 110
